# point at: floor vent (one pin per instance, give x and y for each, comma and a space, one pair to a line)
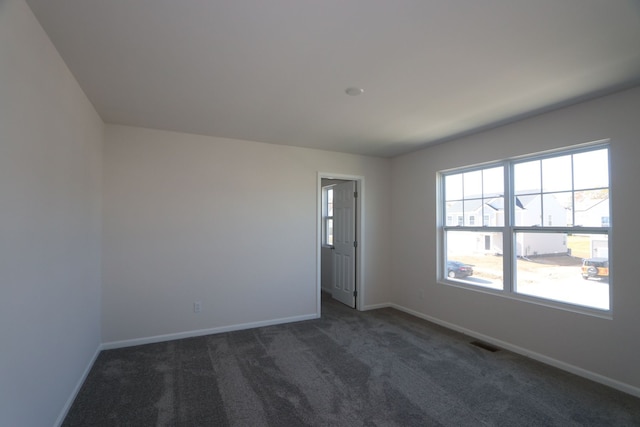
486, 346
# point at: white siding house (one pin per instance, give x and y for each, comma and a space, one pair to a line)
530, 210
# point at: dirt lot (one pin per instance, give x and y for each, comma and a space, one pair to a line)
555, 278
551, 267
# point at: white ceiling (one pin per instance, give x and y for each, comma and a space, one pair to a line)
276, 70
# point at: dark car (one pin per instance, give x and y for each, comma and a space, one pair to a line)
595, 267
457, 269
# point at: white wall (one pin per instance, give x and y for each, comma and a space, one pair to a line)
607, 347
226, 222
50, 171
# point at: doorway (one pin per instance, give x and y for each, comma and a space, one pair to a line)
340, 237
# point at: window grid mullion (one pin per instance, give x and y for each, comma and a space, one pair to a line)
508, 235
541, 196
573, 194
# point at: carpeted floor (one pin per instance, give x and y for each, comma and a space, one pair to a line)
376, 368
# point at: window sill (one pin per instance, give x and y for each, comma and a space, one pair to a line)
573, 308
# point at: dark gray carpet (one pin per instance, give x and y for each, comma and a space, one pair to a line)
377, 368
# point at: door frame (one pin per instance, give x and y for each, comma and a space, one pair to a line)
360, 237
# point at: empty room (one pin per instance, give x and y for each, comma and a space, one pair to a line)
285, 212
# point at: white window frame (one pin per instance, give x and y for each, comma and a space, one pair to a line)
325, 215
509, 230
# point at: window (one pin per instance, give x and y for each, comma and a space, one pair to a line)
515, 251
327, 216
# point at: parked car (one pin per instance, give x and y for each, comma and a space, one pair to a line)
457, 269
595, 267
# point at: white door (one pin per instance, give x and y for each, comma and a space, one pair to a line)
344, 243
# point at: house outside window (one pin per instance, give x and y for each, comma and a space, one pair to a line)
515, 252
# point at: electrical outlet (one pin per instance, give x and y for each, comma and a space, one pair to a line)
197, 307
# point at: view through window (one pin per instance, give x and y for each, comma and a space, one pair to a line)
327, 213
545, 227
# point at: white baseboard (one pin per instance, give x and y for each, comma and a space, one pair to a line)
610, 382
376, 306
199, 332
76, 389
